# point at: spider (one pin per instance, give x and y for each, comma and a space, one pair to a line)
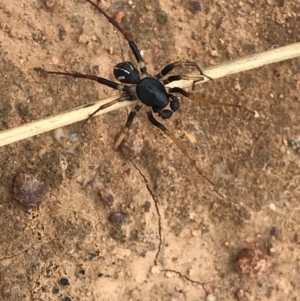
148, 90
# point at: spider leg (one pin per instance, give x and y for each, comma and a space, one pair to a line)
171, 66
129, 39
120, 99
173, 78
177, 143
128, 124
197, 98
100, 80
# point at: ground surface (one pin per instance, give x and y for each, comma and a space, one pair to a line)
173, 216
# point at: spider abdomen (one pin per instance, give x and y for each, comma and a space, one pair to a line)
126, 72
152, 93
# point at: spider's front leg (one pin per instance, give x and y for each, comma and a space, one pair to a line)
128, 124
127, 36
167, 69
173, 78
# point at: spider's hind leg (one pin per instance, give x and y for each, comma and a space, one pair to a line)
194, 97
116, 86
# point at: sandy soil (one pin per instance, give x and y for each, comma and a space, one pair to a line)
181, 237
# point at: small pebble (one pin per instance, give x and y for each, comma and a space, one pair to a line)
240, 295
132, 144
194, 7
84, 39
37, 36
68, 140
64, 281
211, 297
197, 233
275, 232
62, 34
293, 143
50, 4
96, 70
272, 206
252, 261
28, 190
296, 238
67, 299
261, 282
169, 274
110, 50
18, 226
272, 250
119, 16
107, 197
155, 270
237, 87
162, 17
214, 53
117, 219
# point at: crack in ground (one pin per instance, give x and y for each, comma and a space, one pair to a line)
189, 279
156, 208
160, 233
24, 251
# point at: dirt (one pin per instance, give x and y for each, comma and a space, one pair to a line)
181, 236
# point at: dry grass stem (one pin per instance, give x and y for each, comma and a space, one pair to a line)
240, 65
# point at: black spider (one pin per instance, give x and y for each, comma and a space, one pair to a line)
148, 90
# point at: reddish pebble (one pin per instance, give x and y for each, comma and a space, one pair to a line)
28, 190
240, 295
96, 70
50, 4
132, 144
107, 197
119, 16
252, 261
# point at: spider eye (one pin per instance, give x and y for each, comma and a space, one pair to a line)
126, 72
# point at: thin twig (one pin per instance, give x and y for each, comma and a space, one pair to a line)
240, 65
